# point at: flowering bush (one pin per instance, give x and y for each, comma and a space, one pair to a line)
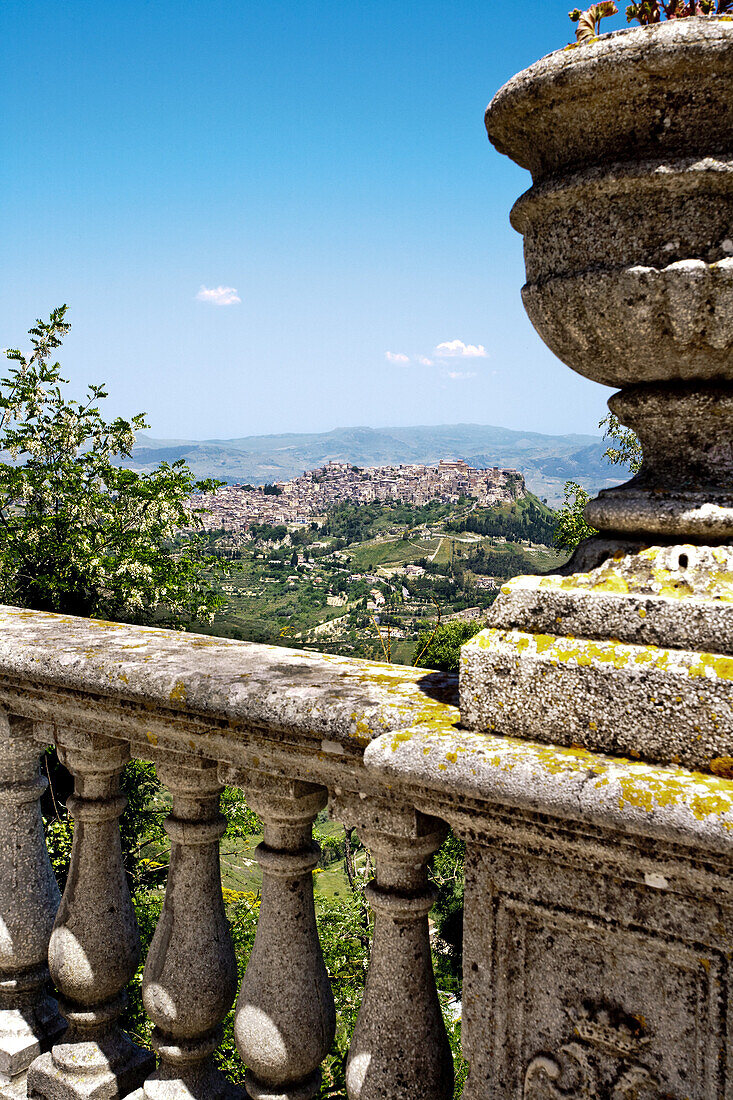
79, 533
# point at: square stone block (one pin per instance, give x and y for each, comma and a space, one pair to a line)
665, 705
595, 967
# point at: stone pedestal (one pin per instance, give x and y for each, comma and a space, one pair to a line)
598, 901
629, 258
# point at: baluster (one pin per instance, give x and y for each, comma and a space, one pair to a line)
285, 1018
94, 948
190, 977
29, 898
400, 1048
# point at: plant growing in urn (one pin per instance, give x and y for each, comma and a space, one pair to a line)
628, 241
651, 11
589, 21
628, 245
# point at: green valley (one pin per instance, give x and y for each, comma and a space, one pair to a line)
373, 577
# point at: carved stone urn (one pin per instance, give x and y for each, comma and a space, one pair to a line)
628, 244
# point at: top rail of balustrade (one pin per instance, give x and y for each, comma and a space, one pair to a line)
144, 680
366, 730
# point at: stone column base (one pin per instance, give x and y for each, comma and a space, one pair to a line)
49, 1081
24, 1034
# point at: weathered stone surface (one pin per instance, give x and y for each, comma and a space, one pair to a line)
224, 689
547, 118
669, 596
628, 243
635, 314
454, 772
614, 659
661, 704
684, 243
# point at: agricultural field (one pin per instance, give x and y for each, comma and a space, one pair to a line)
375, 577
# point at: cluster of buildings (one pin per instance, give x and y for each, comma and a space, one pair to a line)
306, 499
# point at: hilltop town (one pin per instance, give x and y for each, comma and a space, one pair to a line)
307, 498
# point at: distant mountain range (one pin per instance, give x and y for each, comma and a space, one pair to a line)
547, 461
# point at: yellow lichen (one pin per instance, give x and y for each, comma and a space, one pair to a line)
722, 766
612, 583
178, 693
712, 664
584, 651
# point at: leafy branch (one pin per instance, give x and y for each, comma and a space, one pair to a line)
625, 450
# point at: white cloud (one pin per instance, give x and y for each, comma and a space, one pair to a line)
218, 295
460, 375
424, 361
456, 349
396, 357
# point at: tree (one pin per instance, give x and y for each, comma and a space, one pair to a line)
79, 533
627, 451
441, 649
570, 525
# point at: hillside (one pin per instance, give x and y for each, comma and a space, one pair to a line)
378, 574
546, 461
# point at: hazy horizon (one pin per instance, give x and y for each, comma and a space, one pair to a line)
364, 427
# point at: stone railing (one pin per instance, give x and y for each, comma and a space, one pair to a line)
598, 890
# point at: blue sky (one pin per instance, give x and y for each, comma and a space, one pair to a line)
326, 161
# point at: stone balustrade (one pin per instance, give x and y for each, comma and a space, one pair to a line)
588, 766
599, 892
